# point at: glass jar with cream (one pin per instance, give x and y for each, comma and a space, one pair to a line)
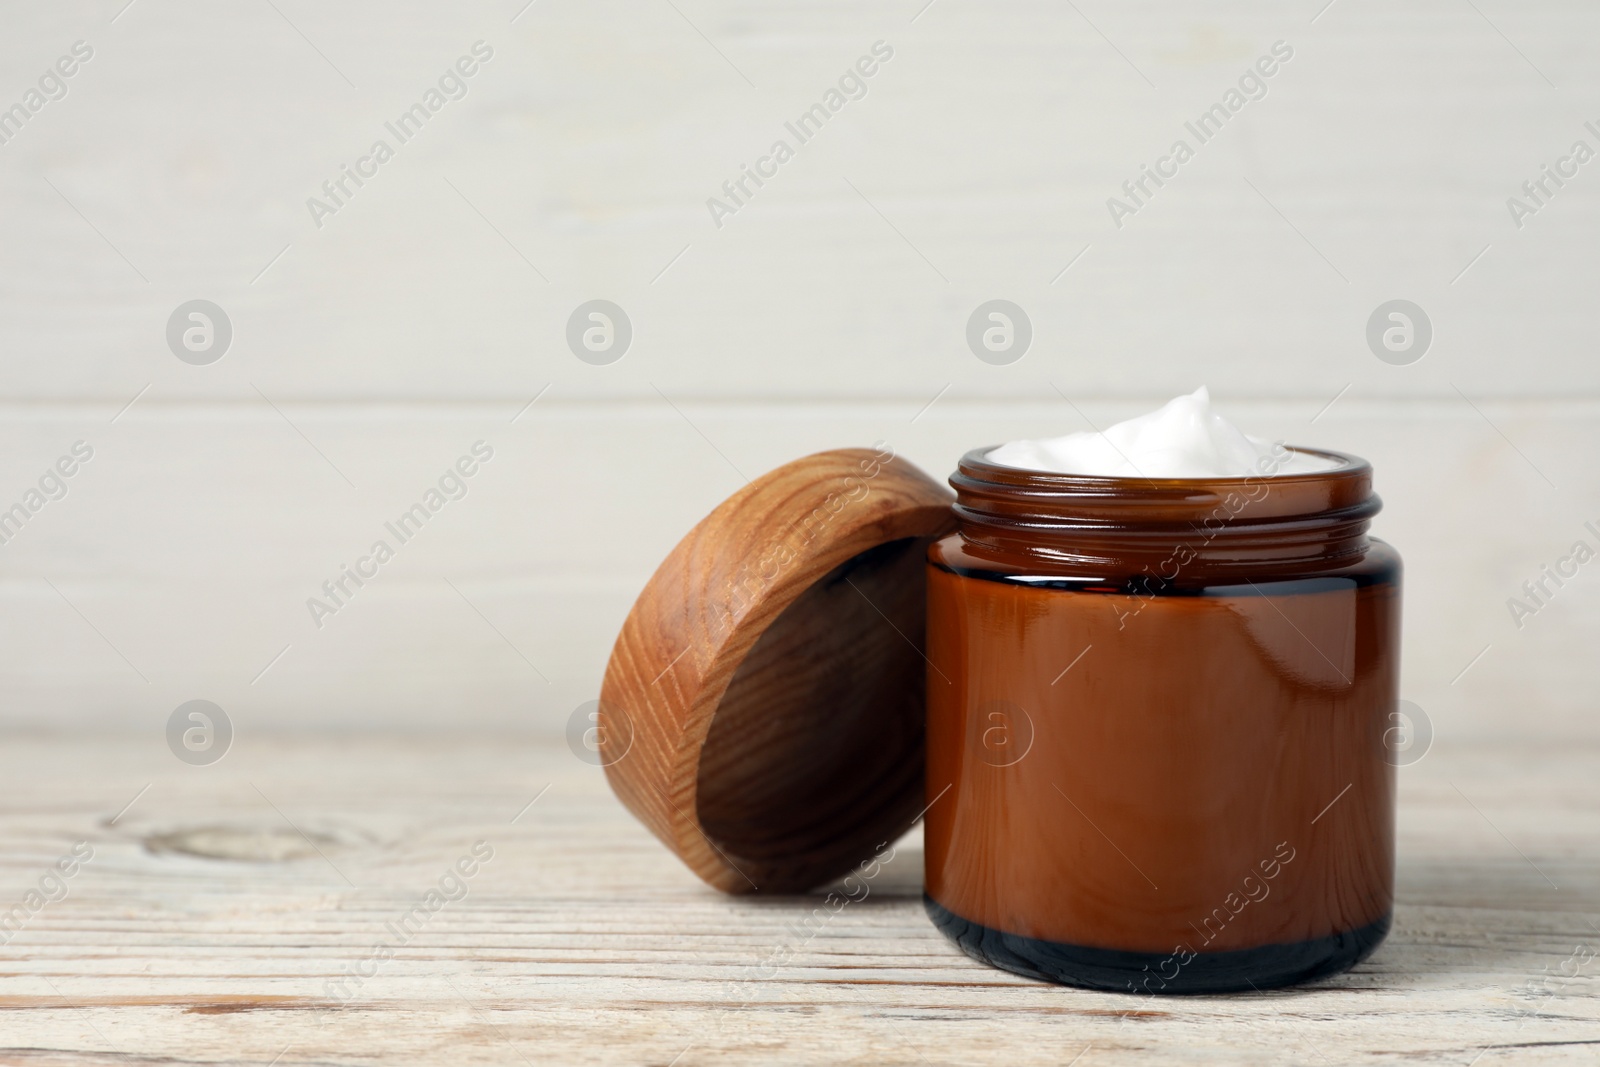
1161, 662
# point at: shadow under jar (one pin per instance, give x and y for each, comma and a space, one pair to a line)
1156, 719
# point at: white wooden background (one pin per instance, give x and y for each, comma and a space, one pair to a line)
370, 353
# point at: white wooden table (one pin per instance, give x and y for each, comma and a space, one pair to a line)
583, 941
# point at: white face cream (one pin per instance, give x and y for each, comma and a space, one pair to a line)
1185, 438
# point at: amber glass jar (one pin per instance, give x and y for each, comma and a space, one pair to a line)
1156, 718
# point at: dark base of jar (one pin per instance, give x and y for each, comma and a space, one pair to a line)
1267, 967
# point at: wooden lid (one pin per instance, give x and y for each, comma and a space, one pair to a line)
762, 712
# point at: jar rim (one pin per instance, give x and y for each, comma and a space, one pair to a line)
1136, 498
1346, 464
1243, 520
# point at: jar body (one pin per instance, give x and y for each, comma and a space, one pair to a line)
1168, 790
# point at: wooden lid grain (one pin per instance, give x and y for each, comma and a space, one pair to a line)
762, 712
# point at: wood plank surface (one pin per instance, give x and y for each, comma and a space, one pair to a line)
185, 553
221, 909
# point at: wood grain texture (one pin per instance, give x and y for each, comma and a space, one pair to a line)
583, 941
761, 710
